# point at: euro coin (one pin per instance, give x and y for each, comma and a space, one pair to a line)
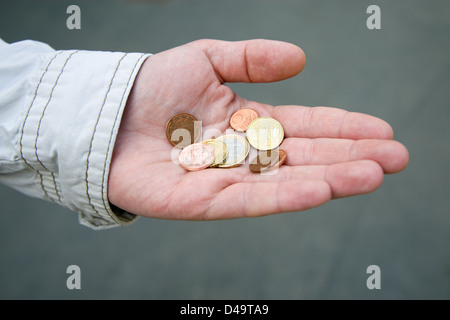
240, 120
196, 156
265, 133
183, 129
220, 151
267, 160
237, 150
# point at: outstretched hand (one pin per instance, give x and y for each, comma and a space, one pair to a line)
332, 153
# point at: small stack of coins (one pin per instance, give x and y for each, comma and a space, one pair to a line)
230, 150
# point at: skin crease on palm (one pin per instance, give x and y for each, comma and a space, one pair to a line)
332, 153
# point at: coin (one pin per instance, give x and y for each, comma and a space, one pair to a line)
240, 120
220, 150
268, 160
237, 150
265, 133
196, 156
182, 130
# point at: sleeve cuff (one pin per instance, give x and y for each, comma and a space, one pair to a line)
71, 126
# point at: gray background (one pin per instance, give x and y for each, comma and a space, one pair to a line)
399, 73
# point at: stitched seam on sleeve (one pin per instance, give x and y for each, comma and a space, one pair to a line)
42, 116
115, 121
93, 134
26, 118
56, 189
41, 180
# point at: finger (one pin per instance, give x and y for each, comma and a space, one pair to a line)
322, 122
317, 122
253, 60
263, 198
294, 188
353, 178
344, 179
392, 156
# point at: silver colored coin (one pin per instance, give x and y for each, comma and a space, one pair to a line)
237, 150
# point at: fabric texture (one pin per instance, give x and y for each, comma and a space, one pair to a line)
60, 112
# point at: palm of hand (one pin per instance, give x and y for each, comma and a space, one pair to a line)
331, 153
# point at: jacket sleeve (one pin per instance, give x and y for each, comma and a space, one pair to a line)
59, 116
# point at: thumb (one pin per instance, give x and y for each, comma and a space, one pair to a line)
253, 60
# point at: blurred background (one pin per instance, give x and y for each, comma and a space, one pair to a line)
399, 73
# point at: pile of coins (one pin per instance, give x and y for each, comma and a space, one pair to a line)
229, 150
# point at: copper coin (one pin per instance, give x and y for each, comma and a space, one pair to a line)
183, 129
267, 160
196, 156
240, 120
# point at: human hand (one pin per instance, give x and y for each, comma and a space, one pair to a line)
331, 153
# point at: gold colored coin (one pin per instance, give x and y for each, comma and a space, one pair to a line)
183, 129
265, 133
237, 150
220, 151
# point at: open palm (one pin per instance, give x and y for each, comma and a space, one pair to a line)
332, 153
